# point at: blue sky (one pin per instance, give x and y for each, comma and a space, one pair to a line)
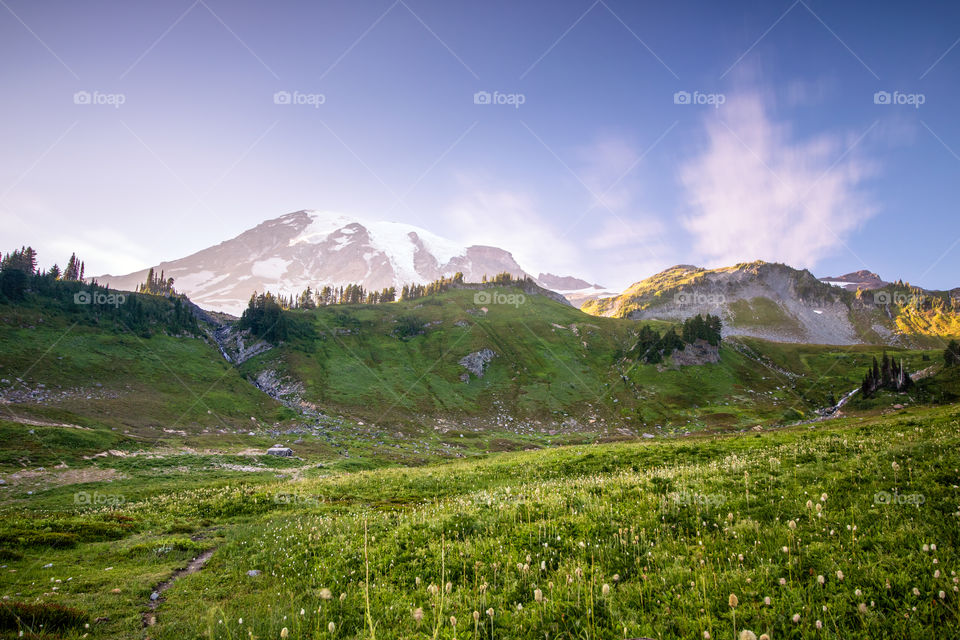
603, 171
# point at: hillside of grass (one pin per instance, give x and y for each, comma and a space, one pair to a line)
113, 385
555, 369
846, 529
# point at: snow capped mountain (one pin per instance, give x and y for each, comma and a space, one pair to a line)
311, 248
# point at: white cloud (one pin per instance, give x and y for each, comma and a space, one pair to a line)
755, 192
509, 219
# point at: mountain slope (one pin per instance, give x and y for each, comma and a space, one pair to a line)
309, 248
546, 367
776, 302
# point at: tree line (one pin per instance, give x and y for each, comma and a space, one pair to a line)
652, 347
311, 298
23, 283
888, 374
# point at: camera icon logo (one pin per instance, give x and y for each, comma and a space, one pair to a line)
81, 97
881, 297
82, 297
482, 97
681, 97
82, 497
682, 298
482, 297
882, 497
281, 97
881, 97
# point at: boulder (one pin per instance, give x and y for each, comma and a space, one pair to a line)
280, 450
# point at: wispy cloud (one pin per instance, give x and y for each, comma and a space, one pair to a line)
492, 214
757, 191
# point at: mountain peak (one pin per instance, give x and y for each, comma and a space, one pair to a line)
310, 248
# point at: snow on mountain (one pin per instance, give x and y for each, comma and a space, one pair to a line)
312, 248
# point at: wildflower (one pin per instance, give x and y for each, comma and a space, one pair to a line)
301, 611
519, 607
862, 608
933, 547
239, 620
783, 582
926, 547
284, 633
819, 624
796, 618
733, 601
839, 575
809, 504
746, 634
449, 587
476, 616
490, 612
331, 627
325, 594
766, 601
941, 595
538, 595
819, 508
858, 592
343, 597
936, 574
792, 524
418, 614
616, 577
764, 637
786, 549
605, 589
821, 579
916, 591
453, 621
706, 635
895, 466
823, 497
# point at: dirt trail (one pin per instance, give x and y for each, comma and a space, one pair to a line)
156, 597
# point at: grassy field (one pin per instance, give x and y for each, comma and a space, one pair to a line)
844, 529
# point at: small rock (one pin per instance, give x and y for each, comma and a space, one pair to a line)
155, 595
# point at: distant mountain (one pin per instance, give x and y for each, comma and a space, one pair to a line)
310, 248
862, 279
777, 302
575, 290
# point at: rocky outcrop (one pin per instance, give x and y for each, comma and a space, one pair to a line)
477, 361
697, 353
